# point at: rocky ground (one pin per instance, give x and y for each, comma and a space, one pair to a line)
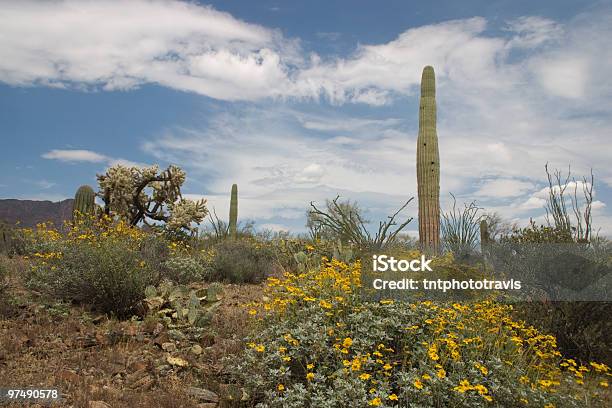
97, 362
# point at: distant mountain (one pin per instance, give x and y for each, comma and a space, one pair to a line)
31, 212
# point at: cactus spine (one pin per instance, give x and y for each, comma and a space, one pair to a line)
233, 215
428, 165
84, 201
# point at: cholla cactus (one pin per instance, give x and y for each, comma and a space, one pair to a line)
185, 212
142, 194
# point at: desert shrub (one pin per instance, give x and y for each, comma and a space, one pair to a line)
538, 234
241, 261
101, 264
218, 230
185, 269
582, 328
318, 344
460, 229
343, 221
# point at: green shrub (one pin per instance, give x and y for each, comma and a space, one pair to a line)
102, 264
582, 329
539, 234
110, 276
185, 269
242, 261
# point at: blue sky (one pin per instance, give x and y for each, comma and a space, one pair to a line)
300, 101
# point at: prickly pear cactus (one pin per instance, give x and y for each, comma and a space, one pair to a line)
233, 215
84, 201
428, 165
182, 307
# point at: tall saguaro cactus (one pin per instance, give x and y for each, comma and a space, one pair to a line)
233, 215
428, 165
485, 236
84, 201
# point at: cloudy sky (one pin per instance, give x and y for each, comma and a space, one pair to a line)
300, 101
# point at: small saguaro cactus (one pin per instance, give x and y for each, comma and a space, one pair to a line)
5, 238
428, 165
485, 236
84, 201
233, 215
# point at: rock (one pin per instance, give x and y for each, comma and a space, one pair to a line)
161, 339
169, 347
137, 366
98, 404
197, 350
232, 392
177, 361
142, 384
135, 376
202, 394
68, 376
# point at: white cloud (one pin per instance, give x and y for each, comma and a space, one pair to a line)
45, 184
563, 75
77, 155
598, 205
298, 168
119, 45
198, 49
74, 155
503, 188
533, 31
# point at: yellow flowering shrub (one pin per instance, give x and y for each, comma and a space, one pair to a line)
92, 261
319, 344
